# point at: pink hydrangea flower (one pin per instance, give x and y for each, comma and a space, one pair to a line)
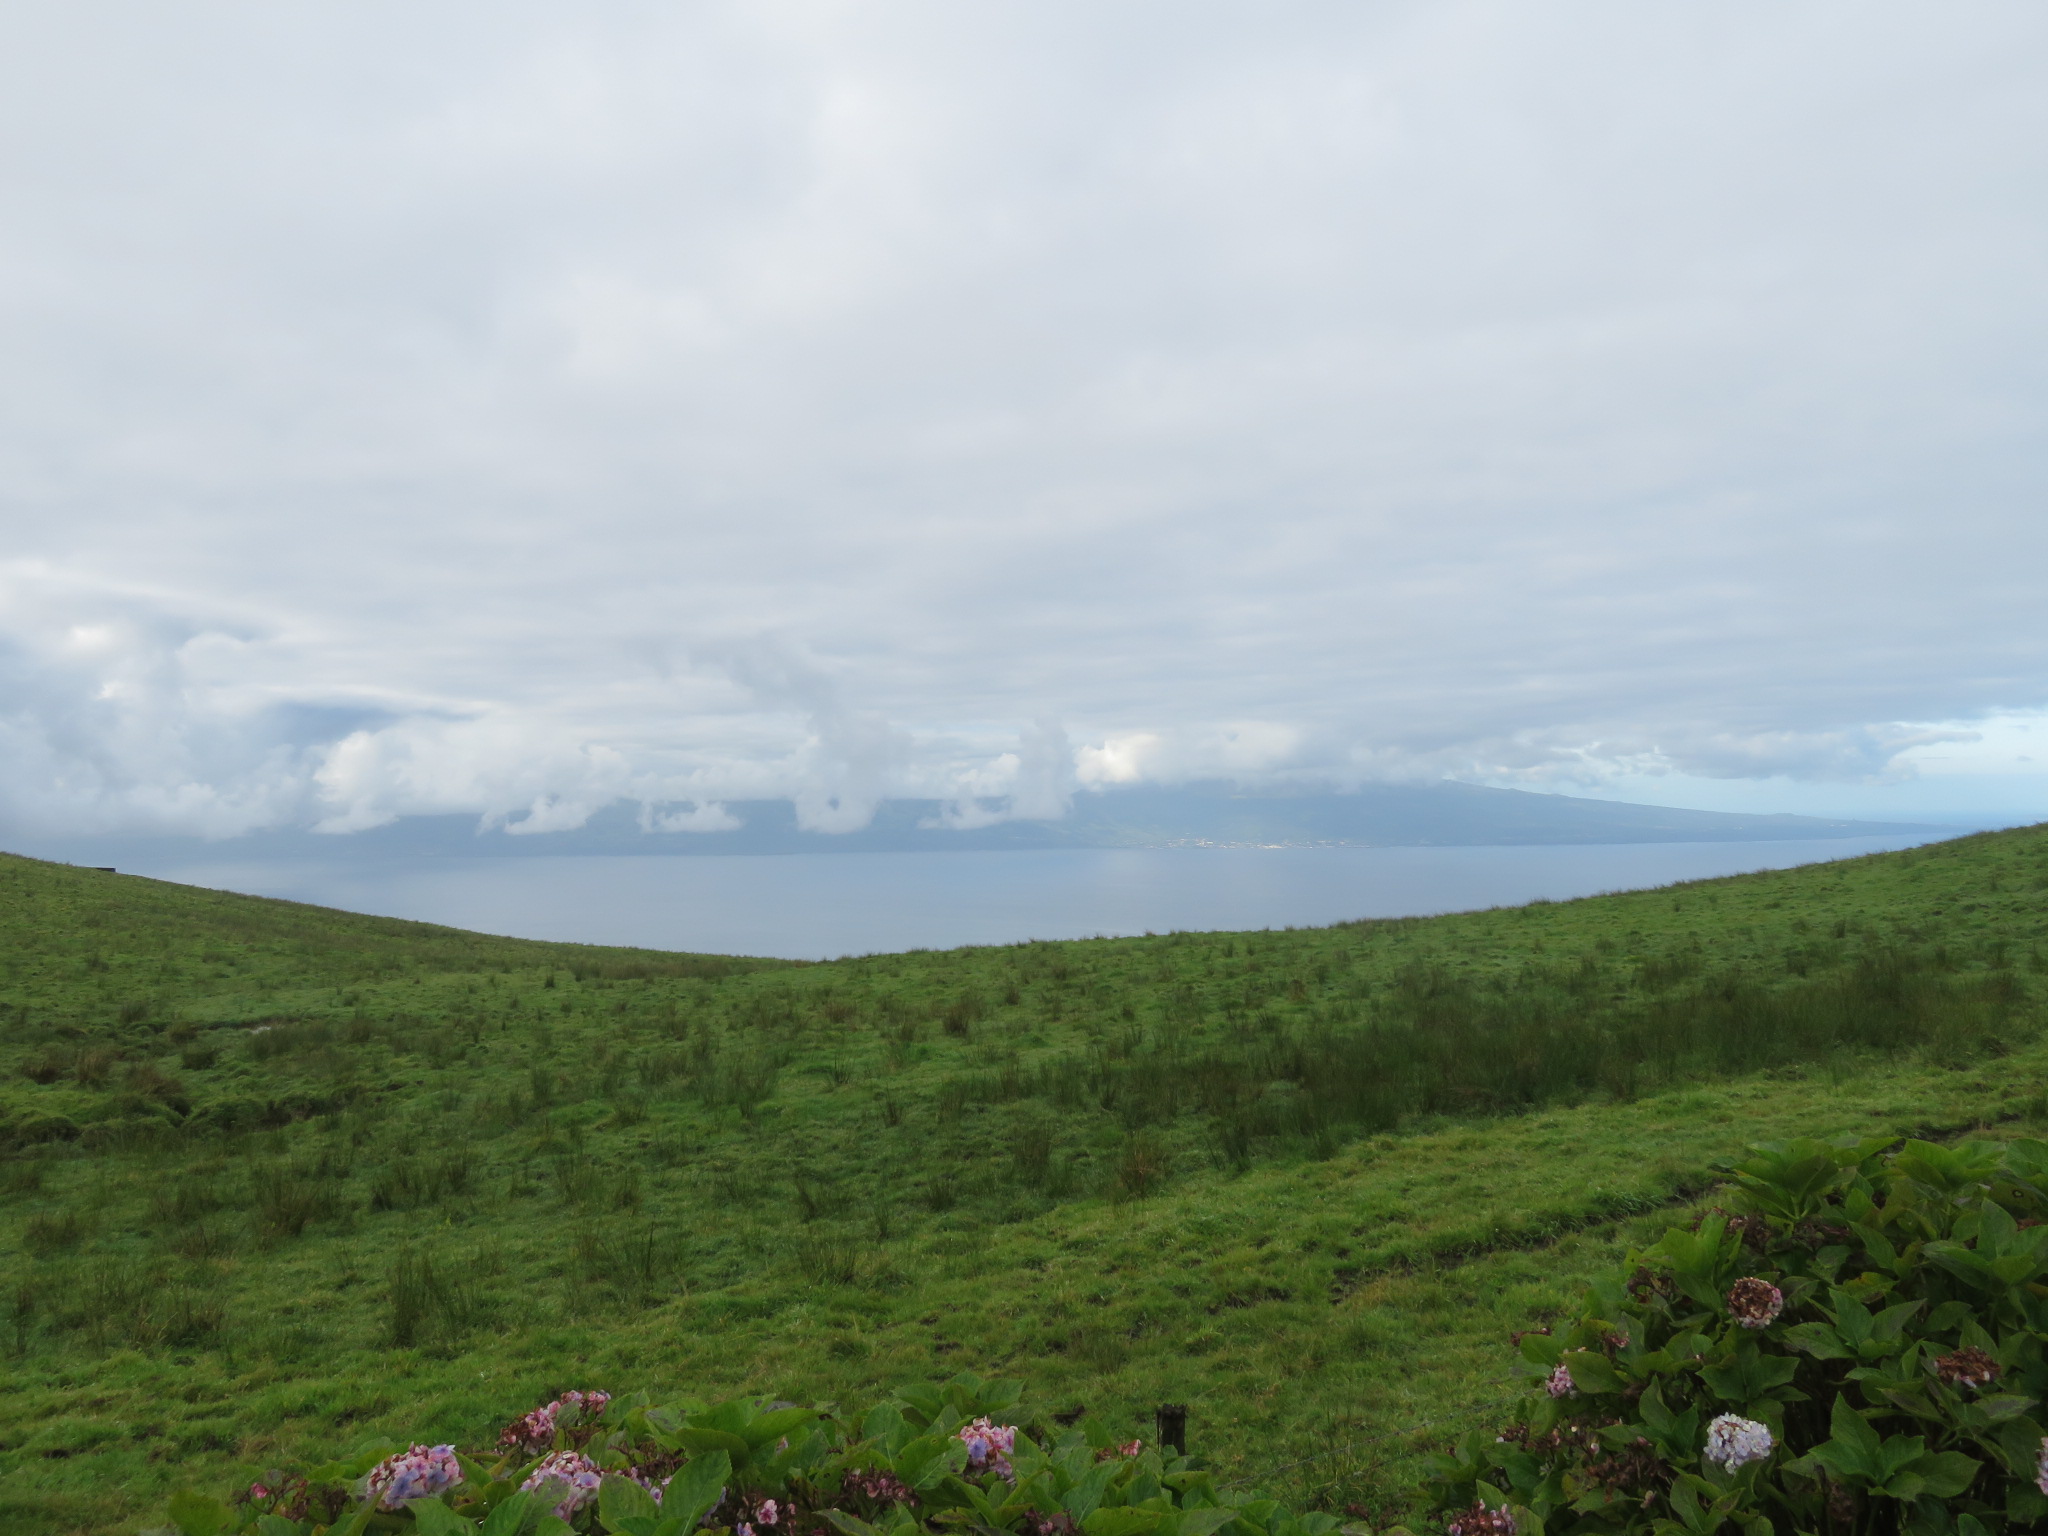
418, 1473
567, 1476
882, 1487
535, 1431
1561, 1384
989, 1446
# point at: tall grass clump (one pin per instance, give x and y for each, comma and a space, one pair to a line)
1438, 1042
288, 1197
428, 1305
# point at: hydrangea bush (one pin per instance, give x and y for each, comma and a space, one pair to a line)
1854, 1349
933, 1457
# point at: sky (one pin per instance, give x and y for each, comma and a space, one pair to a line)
511, 409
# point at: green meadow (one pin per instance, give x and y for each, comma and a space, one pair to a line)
278, 1179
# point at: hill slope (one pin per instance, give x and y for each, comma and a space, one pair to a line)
278, 1176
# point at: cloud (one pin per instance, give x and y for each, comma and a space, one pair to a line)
693, 405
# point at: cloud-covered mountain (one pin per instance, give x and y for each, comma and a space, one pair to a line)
1204, 815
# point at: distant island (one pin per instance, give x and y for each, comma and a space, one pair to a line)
1210, 815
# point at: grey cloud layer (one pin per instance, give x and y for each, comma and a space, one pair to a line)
509, 410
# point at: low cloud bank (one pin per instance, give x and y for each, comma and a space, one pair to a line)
129, 711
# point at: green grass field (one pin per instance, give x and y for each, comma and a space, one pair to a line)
279, 1178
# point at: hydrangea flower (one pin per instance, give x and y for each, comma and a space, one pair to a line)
1733, 1441
2041, 1467
1966, 1367
882, 1487
418, 1473
989, 1446
1130, 1450
535, 1431
1482, 1520
1561, 1384
1755, 1303
569, 1476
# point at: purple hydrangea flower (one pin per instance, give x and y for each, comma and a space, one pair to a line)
418, 1473
570, 1477
1561, 1384
1733, 1442
989, 1446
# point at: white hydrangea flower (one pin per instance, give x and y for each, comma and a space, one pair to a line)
1733, 1441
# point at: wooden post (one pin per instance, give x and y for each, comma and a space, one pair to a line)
1172, 1422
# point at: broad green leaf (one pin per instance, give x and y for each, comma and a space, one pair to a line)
509, 1516
1945, 1474
620, 1499
1082, 1500
1123, 1521
978, 1501
701, 1440
852, 1525
928, 1458
433, 1518
194, 1514
773, 1426
882, 1423
1203, 1522
1592, 1371
732, 1416
1750, 1375
1819, 1341
1852, 1320
1853, 1452
2000, 1406
697, 1487
1891, 1322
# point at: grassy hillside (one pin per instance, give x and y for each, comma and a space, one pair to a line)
278, 1177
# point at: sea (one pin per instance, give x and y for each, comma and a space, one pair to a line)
821, 906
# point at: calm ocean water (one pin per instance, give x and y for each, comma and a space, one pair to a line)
816, 906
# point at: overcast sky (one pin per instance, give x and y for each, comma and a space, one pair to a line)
508, 408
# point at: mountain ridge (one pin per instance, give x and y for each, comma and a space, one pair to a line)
1447, 814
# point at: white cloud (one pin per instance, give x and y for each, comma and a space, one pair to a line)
509, 410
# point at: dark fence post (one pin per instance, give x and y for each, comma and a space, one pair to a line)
1172, 1421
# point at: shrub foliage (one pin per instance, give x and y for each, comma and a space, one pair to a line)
1855, 1349
934, 1456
